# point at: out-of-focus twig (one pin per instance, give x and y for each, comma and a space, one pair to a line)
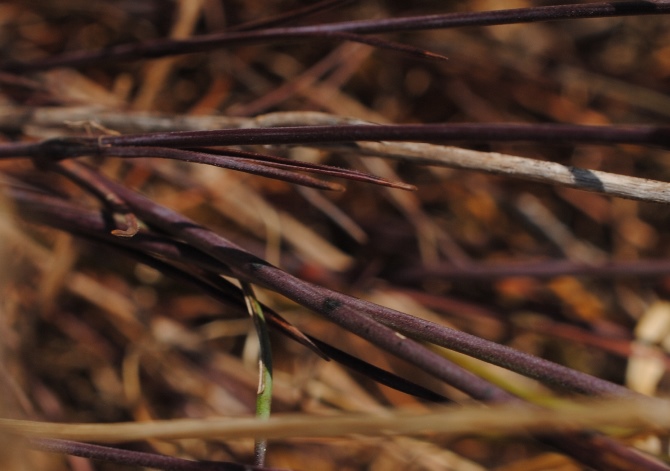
640, 413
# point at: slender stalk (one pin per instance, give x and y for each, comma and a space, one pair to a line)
47, 153
378, 374
135, 458
600, 452
166, 47
264, 393
539, 269
495, 132
161, 142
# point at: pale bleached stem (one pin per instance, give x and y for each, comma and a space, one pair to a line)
553, 173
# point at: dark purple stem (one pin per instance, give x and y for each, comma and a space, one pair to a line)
60, 148
644, 135
257, 164
540, 269
136, 458
275, 171
164, 47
